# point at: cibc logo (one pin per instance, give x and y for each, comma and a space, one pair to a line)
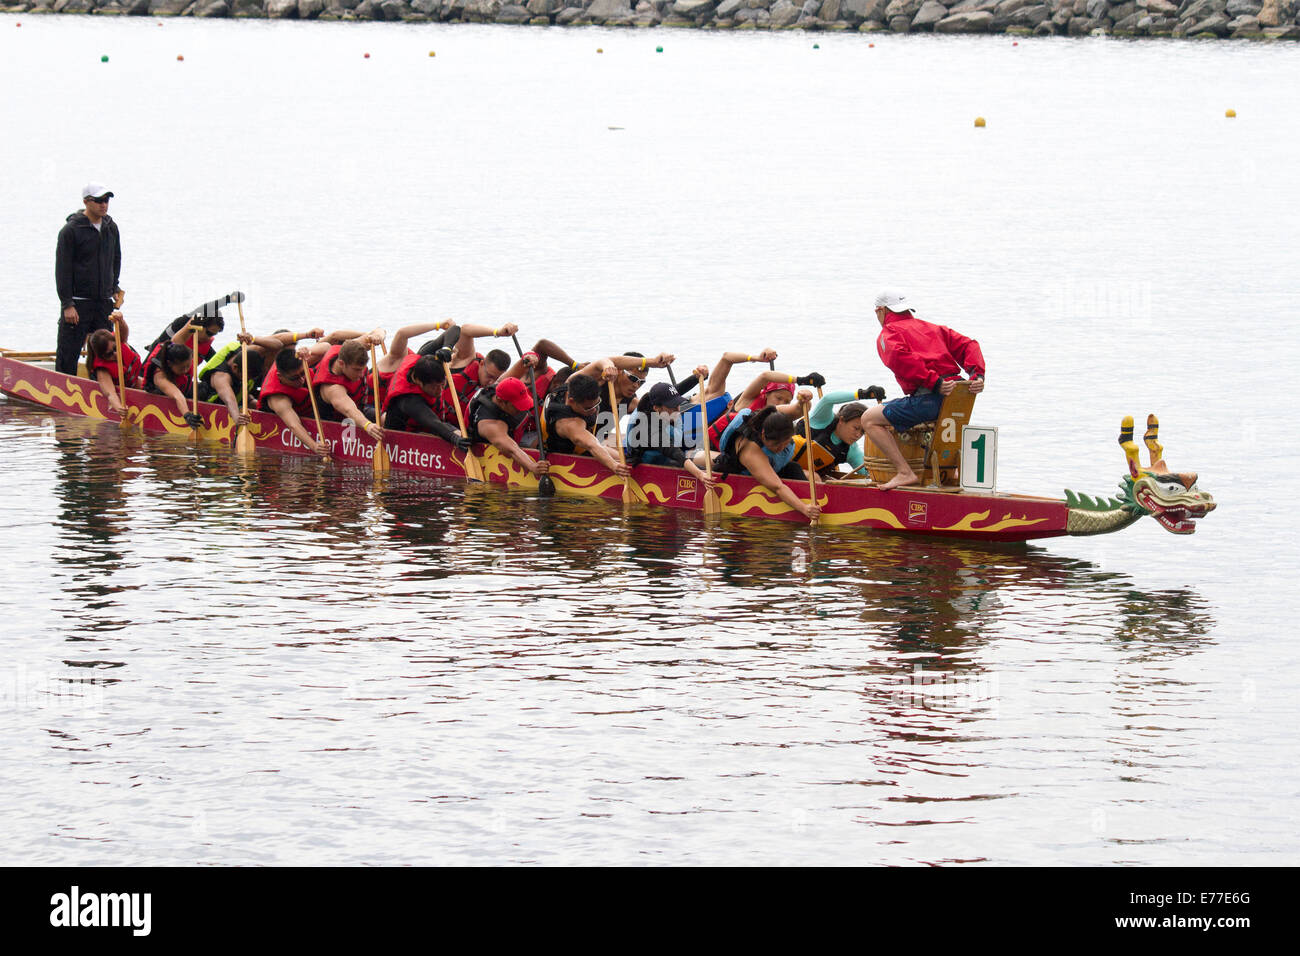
74, 909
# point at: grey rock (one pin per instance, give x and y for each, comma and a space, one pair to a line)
1082, 26
429, 8
1159, 8
1130, 23
167, 8
1291, 32
310, 9
809, 8
1244, 26
1098, 9
727, 8
691, 8
73, 6
484, 11
213, 9
1031, 16
602, 10
859, 11
1062, 16
368, 10
568, 15
1007, 7
1216, 23
974, 21
282, 9
1119, 11
1045, 29
830, 10
784, 13
1275, 13
900, 24
1200, 9
906, 8
513, 13
1243, 8
973, 6
931, 12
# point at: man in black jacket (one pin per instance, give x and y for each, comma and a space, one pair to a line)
86, 268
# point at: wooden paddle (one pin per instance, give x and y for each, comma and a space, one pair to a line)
381, 462
712, 504
812, 467
315, 411
631, 494
545, 484
473, 470
194, 380
244, 444
121, 377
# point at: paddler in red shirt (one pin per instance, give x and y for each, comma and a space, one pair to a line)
101, 361
927, 360
284, 391
340, 381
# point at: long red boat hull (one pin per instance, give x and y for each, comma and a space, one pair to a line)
911, 510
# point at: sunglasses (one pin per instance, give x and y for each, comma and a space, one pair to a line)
589, 407
634, 379
103, 200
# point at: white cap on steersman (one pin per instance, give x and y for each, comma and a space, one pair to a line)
894, 301
95, 190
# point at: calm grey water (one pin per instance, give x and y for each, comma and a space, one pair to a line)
207, 663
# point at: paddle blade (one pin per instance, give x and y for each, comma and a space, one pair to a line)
473, 470
712, 506
546, 487
632, 493
382, 464
244, 443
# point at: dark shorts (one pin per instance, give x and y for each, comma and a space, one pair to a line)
903, 413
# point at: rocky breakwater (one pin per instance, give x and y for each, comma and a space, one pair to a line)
1238, 19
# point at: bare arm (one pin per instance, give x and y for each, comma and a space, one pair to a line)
464, 351
751, 391
108, 387
573, 430
756, 463
496, 432
283, 406
168, 387
398, 349
718, 380
337, 396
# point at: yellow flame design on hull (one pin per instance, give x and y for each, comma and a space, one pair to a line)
883, 515
55, 397
968, 523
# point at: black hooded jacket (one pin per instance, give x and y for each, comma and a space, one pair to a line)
88, 260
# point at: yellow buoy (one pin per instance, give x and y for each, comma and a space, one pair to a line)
1230, 114
600, 49
431, 53
979, 122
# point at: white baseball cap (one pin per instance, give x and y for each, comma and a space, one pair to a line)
95, 190
894, 301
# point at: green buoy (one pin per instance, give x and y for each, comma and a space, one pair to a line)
104, 58
659, 49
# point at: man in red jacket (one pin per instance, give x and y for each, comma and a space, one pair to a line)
927, 360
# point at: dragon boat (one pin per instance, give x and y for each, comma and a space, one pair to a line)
937, 507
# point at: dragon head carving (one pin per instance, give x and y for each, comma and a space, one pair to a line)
1172, 498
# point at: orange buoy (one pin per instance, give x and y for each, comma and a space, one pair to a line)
180, 58
367, 56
